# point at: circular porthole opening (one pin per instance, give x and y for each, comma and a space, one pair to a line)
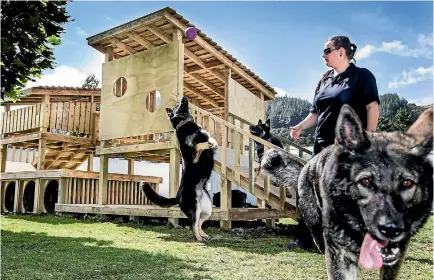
29, 196
153, 101
10, 197
50, 196
120, 87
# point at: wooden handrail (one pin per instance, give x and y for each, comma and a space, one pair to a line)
244, 133
284, 140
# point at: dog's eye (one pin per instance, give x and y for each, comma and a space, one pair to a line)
407, 184
366, 182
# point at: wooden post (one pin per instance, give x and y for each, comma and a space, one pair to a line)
4, 148
42, 150
4, 156
225, 184
103, 176
228, 74
174, 173
45, 113
18, 196
177, 37
90, 163
38, 202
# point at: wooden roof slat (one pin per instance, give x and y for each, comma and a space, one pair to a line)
139, 39
187, 52
118, 43
220, 56
201, 95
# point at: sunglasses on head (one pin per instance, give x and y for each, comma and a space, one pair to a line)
328, 50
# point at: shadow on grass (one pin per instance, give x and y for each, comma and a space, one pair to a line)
257, 242
49, 219
420, 260
249, 242
29, 255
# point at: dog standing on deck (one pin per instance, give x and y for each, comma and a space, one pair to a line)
363, 198
263, 131
197, 149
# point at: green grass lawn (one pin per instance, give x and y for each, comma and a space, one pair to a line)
51, 247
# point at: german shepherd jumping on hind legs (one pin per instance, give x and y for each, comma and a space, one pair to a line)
197, 149
363, 198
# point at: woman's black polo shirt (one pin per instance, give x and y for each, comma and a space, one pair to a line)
355, 86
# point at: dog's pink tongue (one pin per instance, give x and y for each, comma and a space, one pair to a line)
370, 256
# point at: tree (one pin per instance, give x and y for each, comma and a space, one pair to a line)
402, 120
30, 30
91, 82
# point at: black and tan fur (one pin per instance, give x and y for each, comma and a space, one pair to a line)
377, 184
263, 131
197, 149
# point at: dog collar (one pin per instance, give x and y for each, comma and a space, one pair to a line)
182, 123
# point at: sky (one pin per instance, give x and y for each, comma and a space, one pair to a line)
281, 42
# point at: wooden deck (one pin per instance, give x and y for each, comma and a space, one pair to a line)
172, 212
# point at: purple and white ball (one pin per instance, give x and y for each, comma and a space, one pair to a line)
190, 33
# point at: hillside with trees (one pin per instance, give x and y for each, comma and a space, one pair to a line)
396, 113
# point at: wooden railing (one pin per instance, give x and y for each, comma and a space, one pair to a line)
222, 130
21, 154
73, 117
85, 191
22, 119
287, 143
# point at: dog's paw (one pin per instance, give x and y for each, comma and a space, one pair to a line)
213, 144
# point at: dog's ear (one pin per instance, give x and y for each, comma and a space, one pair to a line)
184, 102
424, 124
267, 123
422, 130
260, 122
169, 112
350, 135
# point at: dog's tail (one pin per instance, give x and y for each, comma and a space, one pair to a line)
282, 167
156, 198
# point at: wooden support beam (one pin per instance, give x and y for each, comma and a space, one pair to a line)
139, 39
4, 156
103, 176
209, 65
227, 78
118, 43
200, 41
201, 95
187, 53
174, 172
207, 84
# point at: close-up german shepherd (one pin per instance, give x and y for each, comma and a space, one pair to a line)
363, 198
197, 149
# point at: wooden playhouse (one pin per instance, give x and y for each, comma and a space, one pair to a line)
149, 65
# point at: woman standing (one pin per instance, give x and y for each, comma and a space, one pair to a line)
345, 83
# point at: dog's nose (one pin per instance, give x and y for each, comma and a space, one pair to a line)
390, 230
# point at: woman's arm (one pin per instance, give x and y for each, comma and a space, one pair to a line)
371, 99
309, 121
373, 115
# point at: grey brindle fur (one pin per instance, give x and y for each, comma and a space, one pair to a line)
379, 183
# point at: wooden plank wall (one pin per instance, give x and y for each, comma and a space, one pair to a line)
85, 191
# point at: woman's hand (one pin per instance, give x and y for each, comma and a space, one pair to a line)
296, 131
